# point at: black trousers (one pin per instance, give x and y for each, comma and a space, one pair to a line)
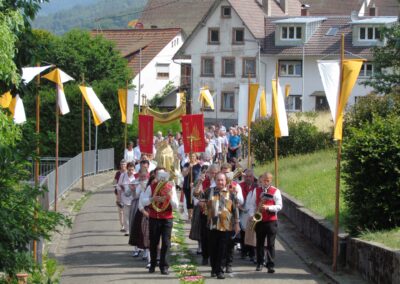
246, 249
160, 228
204, 236
217, 245
266, 230
230, 247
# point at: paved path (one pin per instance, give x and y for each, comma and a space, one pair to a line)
94, 251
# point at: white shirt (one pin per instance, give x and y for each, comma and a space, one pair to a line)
129, 156
146, 198
252, 206
125, 191
136, 153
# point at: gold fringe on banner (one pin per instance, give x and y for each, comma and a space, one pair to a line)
166, 117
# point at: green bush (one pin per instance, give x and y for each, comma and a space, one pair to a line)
303, 137
371, 156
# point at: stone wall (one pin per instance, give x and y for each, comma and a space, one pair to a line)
376, 263
373, 261
314, 227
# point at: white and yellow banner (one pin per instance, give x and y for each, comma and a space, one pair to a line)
206, 98
100, 114
249, 100
28, 73
281, 125
60, 77
338, 90
126, 100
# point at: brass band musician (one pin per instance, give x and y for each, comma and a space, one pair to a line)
266, 203
161, 198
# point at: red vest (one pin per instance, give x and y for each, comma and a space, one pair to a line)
246, 189
206, 183
268, 200
167, 214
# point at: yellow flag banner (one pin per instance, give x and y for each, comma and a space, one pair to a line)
350, 71
263, 105
122, 98
253, 91
287, 90
205, 96
100, 114
166, 117
5, 100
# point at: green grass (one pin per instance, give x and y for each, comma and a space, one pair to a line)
77, 205
390, 238
311, 179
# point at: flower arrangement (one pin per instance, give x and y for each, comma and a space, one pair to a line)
185, 270
196, 279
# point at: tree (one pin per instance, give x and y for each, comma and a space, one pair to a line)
22, 218
387, 62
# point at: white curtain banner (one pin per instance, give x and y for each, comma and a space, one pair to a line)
329, 71
243, 104
28, 73
283, 125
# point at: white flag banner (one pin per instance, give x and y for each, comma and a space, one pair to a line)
329, 71
243, 104
130, 102
100, 114
64, 77
18, 110
178, 100
206, 98
28, 73
282, 117
62, 100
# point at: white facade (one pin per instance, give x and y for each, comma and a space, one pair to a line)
162, 64
199, 48
308, 85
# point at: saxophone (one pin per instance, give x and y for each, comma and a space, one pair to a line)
257, 216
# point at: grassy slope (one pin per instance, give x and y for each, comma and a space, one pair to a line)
311, 179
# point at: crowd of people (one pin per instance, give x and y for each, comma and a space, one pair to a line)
226, 206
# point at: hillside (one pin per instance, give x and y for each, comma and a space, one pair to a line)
101, 14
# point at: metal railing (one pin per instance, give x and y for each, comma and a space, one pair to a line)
70, 172
46, 165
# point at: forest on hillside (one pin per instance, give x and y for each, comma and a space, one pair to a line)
101, 14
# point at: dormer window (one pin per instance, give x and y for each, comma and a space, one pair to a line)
291, 32
225, 12
370, 33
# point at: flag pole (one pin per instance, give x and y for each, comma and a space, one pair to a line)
36, 172
126, 117
276, 138
338, 159
191, 169
57, 142
83, 136
248, 125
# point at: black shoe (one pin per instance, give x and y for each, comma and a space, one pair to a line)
204, 261
213, 274
228, 269
259, 267
221, 276
271, 270
164, 271
152, 269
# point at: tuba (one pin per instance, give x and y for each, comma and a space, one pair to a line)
162, 190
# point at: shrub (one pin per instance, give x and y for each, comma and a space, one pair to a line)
303, 137
371, 157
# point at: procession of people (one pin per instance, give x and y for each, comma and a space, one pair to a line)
226, 206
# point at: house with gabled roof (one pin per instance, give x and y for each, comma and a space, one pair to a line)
295, 44
225, 49
149, 54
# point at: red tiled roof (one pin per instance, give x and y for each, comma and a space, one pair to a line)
252, 15
386, 7
185, 14
332, 7
319, 44
130, 41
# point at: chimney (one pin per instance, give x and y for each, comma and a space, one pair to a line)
266, 6
373, 10
305, 10
284, 6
